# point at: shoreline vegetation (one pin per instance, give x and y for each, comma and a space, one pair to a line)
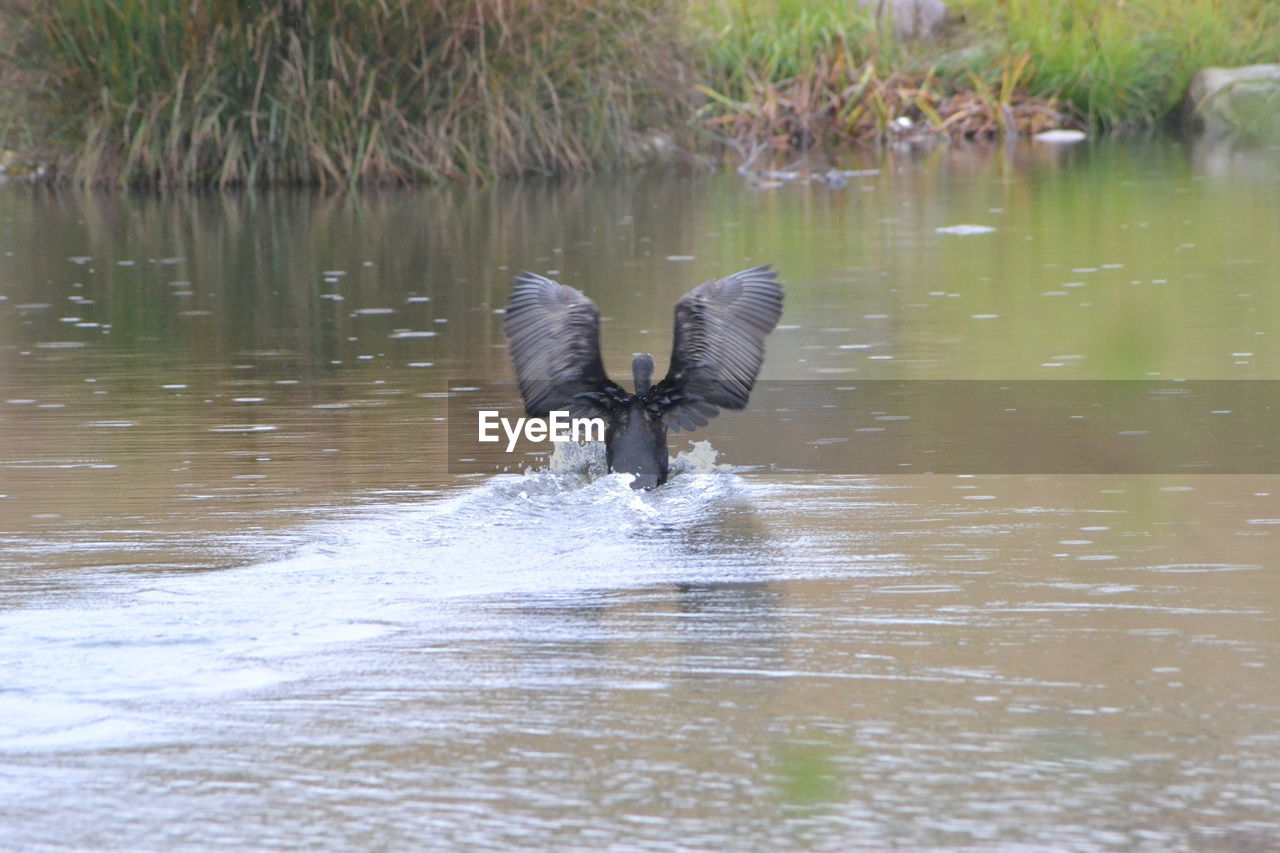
291, 92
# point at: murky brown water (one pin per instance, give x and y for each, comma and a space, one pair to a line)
249, 599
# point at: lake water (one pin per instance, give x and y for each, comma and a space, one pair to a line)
253, 595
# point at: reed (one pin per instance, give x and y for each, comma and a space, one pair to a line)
223, 92
791, 76
330, 91
746, 43
1127, 64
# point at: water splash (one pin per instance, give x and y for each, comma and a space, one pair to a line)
359, 580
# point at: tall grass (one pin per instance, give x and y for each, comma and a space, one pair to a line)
226, 92
749, 42
1126, 63
790, 75
229, 92
799, 73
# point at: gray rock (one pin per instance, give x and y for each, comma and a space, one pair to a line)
1237, 102
834, 178
912, 19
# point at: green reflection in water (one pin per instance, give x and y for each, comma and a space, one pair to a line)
1112, 262
334, 324
807, 774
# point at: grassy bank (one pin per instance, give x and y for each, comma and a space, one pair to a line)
222, 92
828, 72
226, 92
1128, 63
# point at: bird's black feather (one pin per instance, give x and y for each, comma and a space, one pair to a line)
718, 346
553, 336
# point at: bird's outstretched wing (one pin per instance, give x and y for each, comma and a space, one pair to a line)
553, 336
718, 346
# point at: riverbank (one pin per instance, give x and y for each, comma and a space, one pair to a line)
166, 92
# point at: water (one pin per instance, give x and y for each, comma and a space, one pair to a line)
250, 598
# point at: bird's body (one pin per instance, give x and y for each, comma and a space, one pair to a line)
635, 441
553, 335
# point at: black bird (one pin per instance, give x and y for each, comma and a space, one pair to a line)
553, 336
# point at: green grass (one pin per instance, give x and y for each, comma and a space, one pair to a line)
1118, 62
745, 43
1126, 63
224, 92
793, 75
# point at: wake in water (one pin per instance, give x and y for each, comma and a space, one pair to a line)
92, 669
575, 496
350, 581
573, 466
568, 525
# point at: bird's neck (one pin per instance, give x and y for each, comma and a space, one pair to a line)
642, 373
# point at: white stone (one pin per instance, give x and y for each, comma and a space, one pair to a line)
1061, 137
